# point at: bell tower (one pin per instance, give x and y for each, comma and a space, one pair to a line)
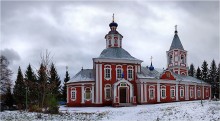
113, 38
177, 56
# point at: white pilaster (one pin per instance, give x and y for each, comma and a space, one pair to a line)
158, 92
145, 92
96, 84
100, 80
82, 90
177, 92
93, 91
67, 94
142, 92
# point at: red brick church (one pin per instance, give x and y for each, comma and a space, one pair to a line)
118, 79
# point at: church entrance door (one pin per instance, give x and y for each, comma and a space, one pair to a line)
123, 94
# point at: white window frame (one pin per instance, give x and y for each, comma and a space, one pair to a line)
191, 92
207, 92
85, 97
73, 94
130, 68
172, 89
181, 92
107, 87
107, 67
199, 92
119, 67
163, 89
151, 89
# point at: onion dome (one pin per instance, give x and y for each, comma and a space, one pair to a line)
113, 24
151, 68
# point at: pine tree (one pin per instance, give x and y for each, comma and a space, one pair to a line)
9, 101
55, 82
198, 74
212, 77
42, 84
20, 90
218, 80
30, 79
192, 70
205, 71
64, 90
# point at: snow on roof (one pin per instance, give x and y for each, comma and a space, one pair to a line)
83, 75
156, 73
116, 53
146, 73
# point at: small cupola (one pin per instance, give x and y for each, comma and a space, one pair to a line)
151, 68
113, 38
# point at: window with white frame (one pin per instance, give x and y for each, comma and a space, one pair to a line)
73, 93
199, 92
181, 92
163, 92
182, 59
119, 72
207, 92
191, 92
151, 92
130, 72
107, 72
88, 93
172, 92
107, 91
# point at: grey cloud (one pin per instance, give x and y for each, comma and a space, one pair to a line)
11, 55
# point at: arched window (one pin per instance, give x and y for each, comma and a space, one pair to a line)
107, 91
119, 72
151, 92
163, 91
73, 93
130, 72
191, 92
107, 72
171, 59
88, 93
172, 91
181, 92
199, 92
182, 59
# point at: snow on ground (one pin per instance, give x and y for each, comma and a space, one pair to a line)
184, 111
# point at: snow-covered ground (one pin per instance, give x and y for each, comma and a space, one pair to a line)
187, 111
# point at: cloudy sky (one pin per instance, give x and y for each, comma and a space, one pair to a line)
73, 32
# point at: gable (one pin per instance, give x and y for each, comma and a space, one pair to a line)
167, 75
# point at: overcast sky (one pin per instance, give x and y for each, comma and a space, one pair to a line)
73, 32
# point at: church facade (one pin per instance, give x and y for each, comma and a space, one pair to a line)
118, 79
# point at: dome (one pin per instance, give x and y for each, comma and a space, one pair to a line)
113, 24
116, 53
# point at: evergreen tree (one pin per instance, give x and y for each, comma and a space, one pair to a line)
198, 74
218, 80
42, 84
205, 71
20, 90
9, 101
30, 79
54, 81
64, 90
191, 70
212, 77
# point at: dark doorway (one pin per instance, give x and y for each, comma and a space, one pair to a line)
123, 95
